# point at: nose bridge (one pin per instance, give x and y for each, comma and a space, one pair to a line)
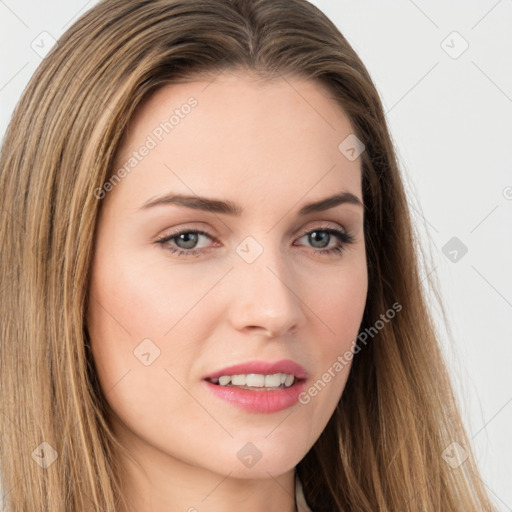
264, 293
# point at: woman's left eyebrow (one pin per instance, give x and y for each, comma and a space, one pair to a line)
230, 208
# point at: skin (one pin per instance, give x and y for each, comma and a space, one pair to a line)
271, 148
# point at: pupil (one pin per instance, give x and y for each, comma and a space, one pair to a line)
190, 240
321, 234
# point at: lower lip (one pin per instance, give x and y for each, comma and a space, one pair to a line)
259, 401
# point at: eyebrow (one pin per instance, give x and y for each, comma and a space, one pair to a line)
230, 208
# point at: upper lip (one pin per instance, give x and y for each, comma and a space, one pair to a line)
286, 366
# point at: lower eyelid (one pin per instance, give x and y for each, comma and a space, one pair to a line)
344, 238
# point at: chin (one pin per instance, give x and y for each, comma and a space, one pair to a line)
259, 458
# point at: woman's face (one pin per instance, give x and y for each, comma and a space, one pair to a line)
172, 309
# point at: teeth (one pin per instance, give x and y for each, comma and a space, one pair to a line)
225, 379
239, 380
256, 380
272, 381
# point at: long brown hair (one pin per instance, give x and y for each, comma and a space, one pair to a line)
384, 447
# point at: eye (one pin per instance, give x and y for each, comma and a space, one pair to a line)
184, 242
320, 237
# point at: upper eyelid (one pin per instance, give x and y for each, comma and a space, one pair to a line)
312, 225
303, 232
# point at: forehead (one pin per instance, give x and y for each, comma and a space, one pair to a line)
235, 131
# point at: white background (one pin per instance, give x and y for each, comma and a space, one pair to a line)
450, 116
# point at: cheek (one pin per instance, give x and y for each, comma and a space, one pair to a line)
138, 309
145, 301
339, 305
337, 313
136, 319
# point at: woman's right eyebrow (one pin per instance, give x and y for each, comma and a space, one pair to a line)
230, 208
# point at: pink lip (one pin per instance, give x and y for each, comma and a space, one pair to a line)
260, 401
263, 367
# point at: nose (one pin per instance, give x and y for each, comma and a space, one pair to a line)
266, 296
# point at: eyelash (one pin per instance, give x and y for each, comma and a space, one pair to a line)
345, 238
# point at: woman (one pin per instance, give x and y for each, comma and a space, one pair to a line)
212, 297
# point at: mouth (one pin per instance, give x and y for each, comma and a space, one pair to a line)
255, 381
258, 386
